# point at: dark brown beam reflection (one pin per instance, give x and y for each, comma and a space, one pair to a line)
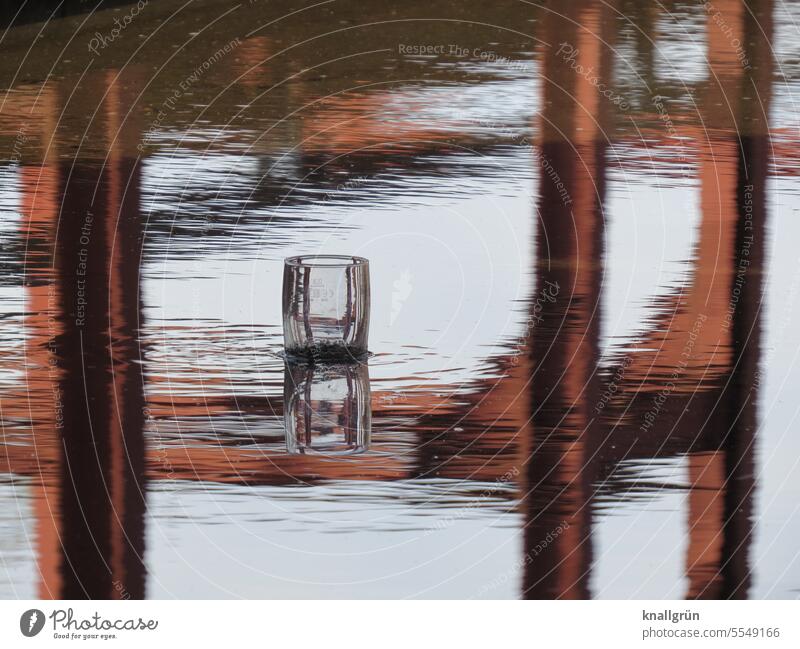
564, 321
724, 569
97, 267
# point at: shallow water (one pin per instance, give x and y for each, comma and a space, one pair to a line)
584, 316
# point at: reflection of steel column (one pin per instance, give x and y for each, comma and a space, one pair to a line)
721, 524
327, 408
126, 428
742, 390
97, 266
39, 209
710, 296
557, 480
706, 509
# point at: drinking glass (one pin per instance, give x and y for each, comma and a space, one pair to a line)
326, 408
326, 307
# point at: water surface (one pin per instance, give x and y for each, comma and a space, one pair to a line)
581, 231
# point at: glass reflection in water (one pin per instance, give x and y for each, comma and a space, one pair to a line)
327, 408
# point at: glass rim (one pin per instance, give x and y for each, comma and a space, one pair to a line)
325, 261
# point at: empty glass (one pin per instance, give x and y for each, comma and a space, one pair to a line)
326, 307
327, 408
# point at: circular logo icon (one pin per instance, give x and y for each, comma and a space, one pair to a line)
31, 622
